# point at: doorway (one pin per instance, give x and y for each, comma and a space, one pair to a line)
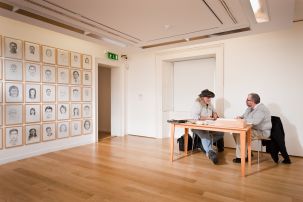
104, 102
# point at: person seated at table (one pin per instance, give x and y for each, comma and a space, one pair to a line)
203, 110
259, 116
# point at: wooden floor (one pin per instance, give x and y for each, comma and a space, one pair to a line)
138, 169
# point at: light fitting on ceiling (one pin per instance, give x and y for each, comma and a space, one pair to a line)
111, 41
260, 10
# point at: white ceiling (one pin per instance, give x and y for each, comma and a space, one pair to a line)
143, 24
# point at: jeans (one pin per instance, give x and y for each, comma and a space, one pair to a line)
207, 138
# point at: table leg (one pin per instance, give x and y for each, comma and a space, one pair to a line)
248, 136
172, 140
185, 140
242, 146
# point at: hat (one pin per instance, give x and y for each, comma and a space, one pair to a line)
207, 93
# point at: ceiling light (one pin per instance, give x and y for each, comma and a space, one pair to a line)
111, 41
260, 10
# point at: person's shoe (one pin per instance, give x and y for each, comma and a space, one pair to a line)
286, 161
238, 160
213, 156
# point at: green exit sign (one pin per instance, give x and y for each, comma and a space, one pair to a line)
112, 56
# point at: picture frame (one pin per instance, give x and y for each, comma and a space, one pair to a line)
48, 131
48, 93
87, 126
32, 72
0, 45
63, 111
13, 114
32, 113
32, 93
32, 51
75, 76
75, 110
75, 93
63, 75
13, 136
48, 55
1, 134
32, 134
13, 48
63, 58
87, 110
1, 66
75, 59
63, 130
62, 93
87, 78
87, 94
48, 74
13, 70
13, 92
1, 115
75, 128
49, 112
1, 91
87, 61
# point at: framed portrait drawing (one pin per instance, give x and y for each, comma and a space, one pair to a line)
76, 111
1, 112
13, 114
49, 93
75, 128
48, 55
63, 93
1, 91
32, 113
49, 74
1, 135
63, 57
32, 93
75, 59
32, 134
13, 48
48, 131
87, 62
63, 111
87, 110
87, 94
49, 112
63, 130
63, 75
13, 70
75, 93
1, 65
87, 126
31, 51
75, 76
13, 136
87, 78
13, 92
0, 45
32, 72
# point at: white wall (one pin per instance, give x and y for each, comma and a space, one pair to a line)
269, 64
19, 30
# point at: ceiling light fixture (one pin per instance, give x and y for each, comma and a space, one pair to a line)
260, 10
111, 41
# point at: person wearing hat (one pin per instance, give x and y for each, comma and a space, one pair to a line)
203, 110
259, 116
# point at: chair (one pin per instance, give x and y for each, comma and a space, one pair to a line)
259, 139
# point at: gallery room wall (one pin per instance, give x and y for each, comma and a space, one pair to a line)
269, 64
26, 32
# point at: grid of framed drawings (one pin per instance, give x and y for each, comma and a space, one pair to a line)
45, 93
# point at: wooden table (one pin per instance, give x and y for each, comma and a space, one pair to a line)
245, 136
